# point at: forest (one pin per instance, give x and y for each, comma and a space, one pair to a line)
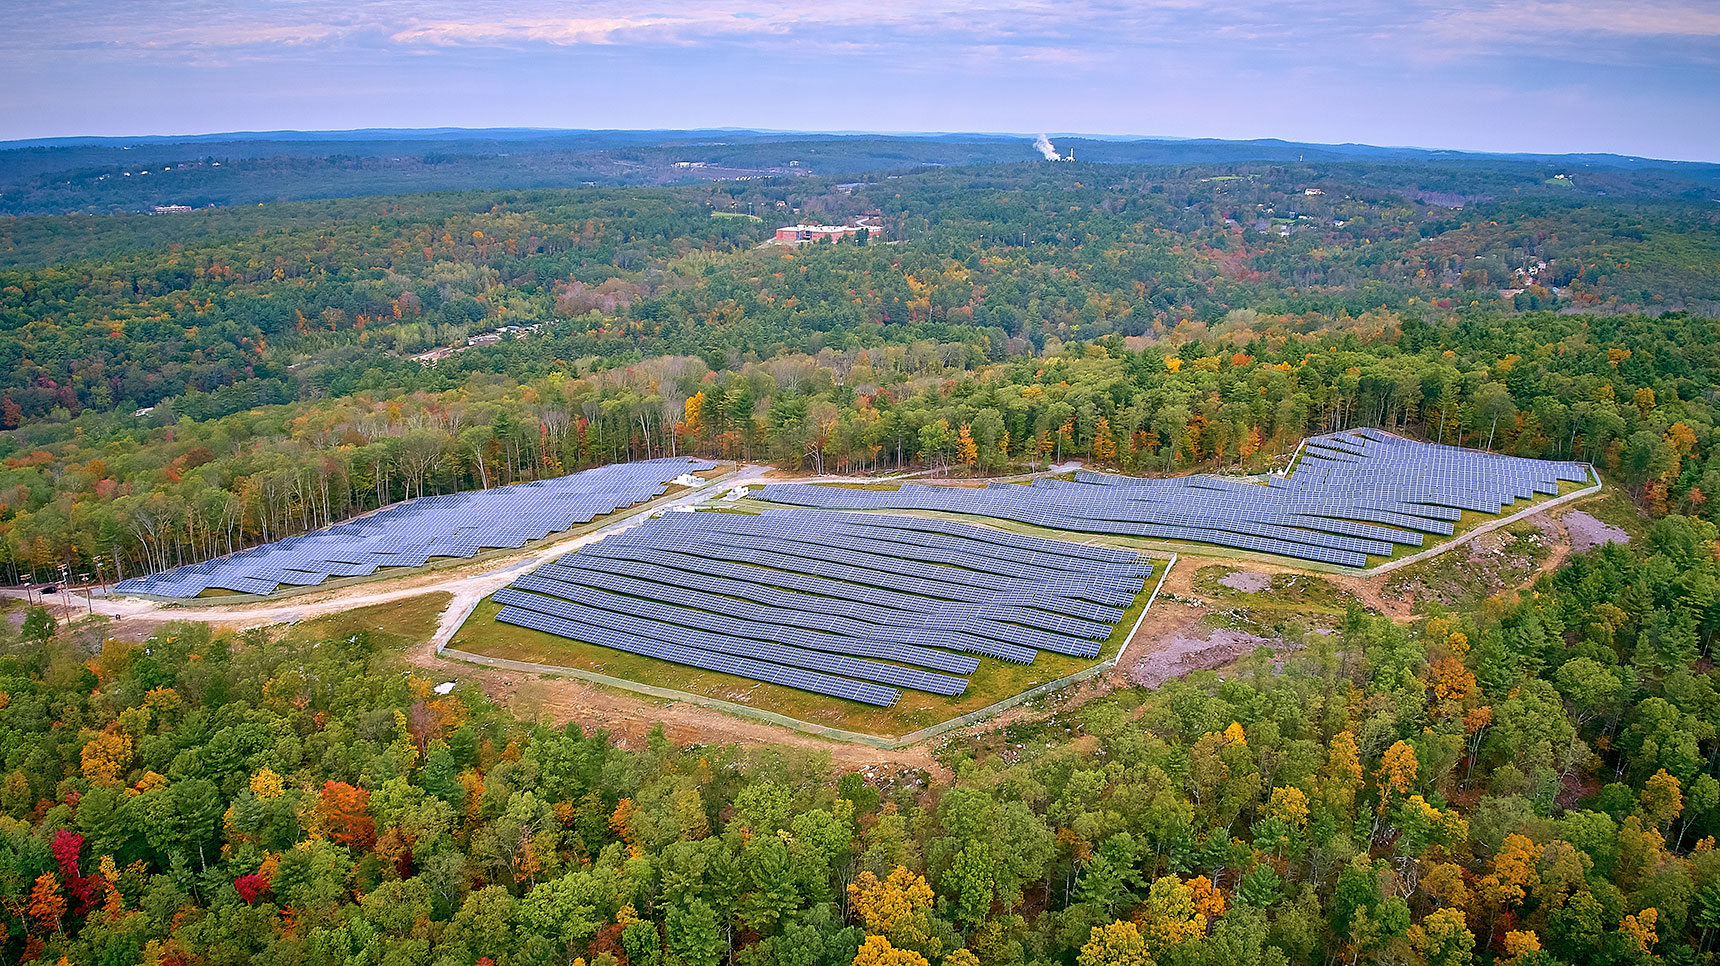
1531, 783
111, 175
172, 388
1531, 780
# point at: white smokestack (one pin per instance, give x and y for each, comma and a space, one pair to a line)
1043, 146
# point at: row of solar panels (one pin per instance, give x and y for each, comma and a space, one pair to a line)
410, 534
853, 604
1352, 496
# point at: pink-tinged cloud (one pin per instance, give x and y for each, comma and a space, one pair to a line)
1455, 73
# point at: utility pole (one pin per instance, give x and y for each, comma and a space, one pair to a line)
65, 592
89, 601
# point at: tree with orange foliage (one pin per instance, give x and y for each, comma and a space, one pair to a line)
621, 823
1251, 442
47, 905
1452, 681
1208, 901
1514, 873
1104, 446
343, 813
967, 451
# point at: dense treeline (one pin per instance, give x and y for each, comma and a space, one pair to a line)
1633, 395
1532, 783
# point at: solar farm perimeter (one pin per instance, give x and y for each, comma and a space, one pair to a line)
884, 610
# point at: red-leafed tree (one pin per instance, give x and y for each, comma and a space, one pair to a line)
251, 887
66, 846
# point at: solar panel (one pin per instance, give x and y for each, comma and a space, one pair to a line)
411, 533
1352, 496
870, 598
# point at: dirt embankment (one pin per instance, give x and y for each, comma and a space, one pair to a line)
629, 718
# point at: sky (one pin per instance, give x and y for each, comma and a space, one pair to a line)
1634, 78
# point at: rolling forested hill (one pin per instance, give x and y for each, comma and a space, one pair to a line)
1524, 777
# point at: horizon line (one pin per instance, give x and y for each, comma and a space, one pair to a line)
15, 144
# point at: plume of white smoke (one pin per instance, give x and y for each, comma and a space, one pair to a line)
1043, 146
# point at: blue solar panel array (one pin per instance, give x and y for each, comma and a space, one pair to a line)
856, 606
411, 533
1353, 495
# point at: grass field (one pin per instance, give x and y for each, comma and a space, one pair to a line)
994, 681
397, 624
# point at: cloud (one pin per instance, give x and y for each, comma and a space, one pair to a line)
1123, 66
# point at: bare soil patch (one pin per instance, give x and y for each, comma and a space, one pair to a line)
1587, 533
1190, 652
1247, 581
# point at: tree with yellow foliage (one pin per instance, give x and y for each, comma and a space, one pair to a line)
1341, 778
1521, 942
1104, 446
1289, 805
1662, 799
877, 951
898, 909
1398, 769
265, 784
960, 957
1169, 916
106, 757
1115, 944
1639, 929
693, 415
1444, 939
